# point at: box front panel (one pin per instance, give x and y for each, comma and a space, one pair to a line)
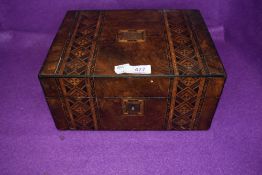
132, 114
76, 103
183, 104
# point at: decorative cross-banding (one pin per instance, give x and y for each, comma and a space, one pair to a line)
186, 91
80, 98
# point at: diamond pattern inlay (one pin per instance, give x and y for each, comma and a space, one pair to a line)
187, 63
186, 94
183, 108
80, 51
79, 91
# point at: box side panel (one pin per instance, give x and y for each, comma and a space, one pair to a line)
214, 87
50, 87
206, 114
58, 113
208, 103
55, 104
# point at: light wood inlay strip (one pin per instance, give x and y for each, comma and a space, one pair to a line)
173, 58
88, 80
201, 66
171, 45
61, 82
69, 47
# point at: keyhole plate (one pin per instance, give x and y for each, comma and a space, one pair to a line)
132, 106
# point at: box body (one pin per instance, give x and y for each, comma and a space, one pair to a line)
83, 91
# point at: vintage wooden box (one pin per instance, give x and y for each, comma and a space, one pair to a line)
181, 93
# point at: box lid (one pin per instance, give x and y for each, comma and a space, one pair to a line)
174, 42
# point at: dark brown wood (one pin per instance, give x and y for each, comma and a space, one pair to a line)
83, 91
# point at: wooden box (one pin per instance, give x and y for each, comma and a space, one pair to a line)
84, 92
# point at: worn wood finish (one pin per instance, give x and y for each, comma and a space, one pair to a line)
83, 91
